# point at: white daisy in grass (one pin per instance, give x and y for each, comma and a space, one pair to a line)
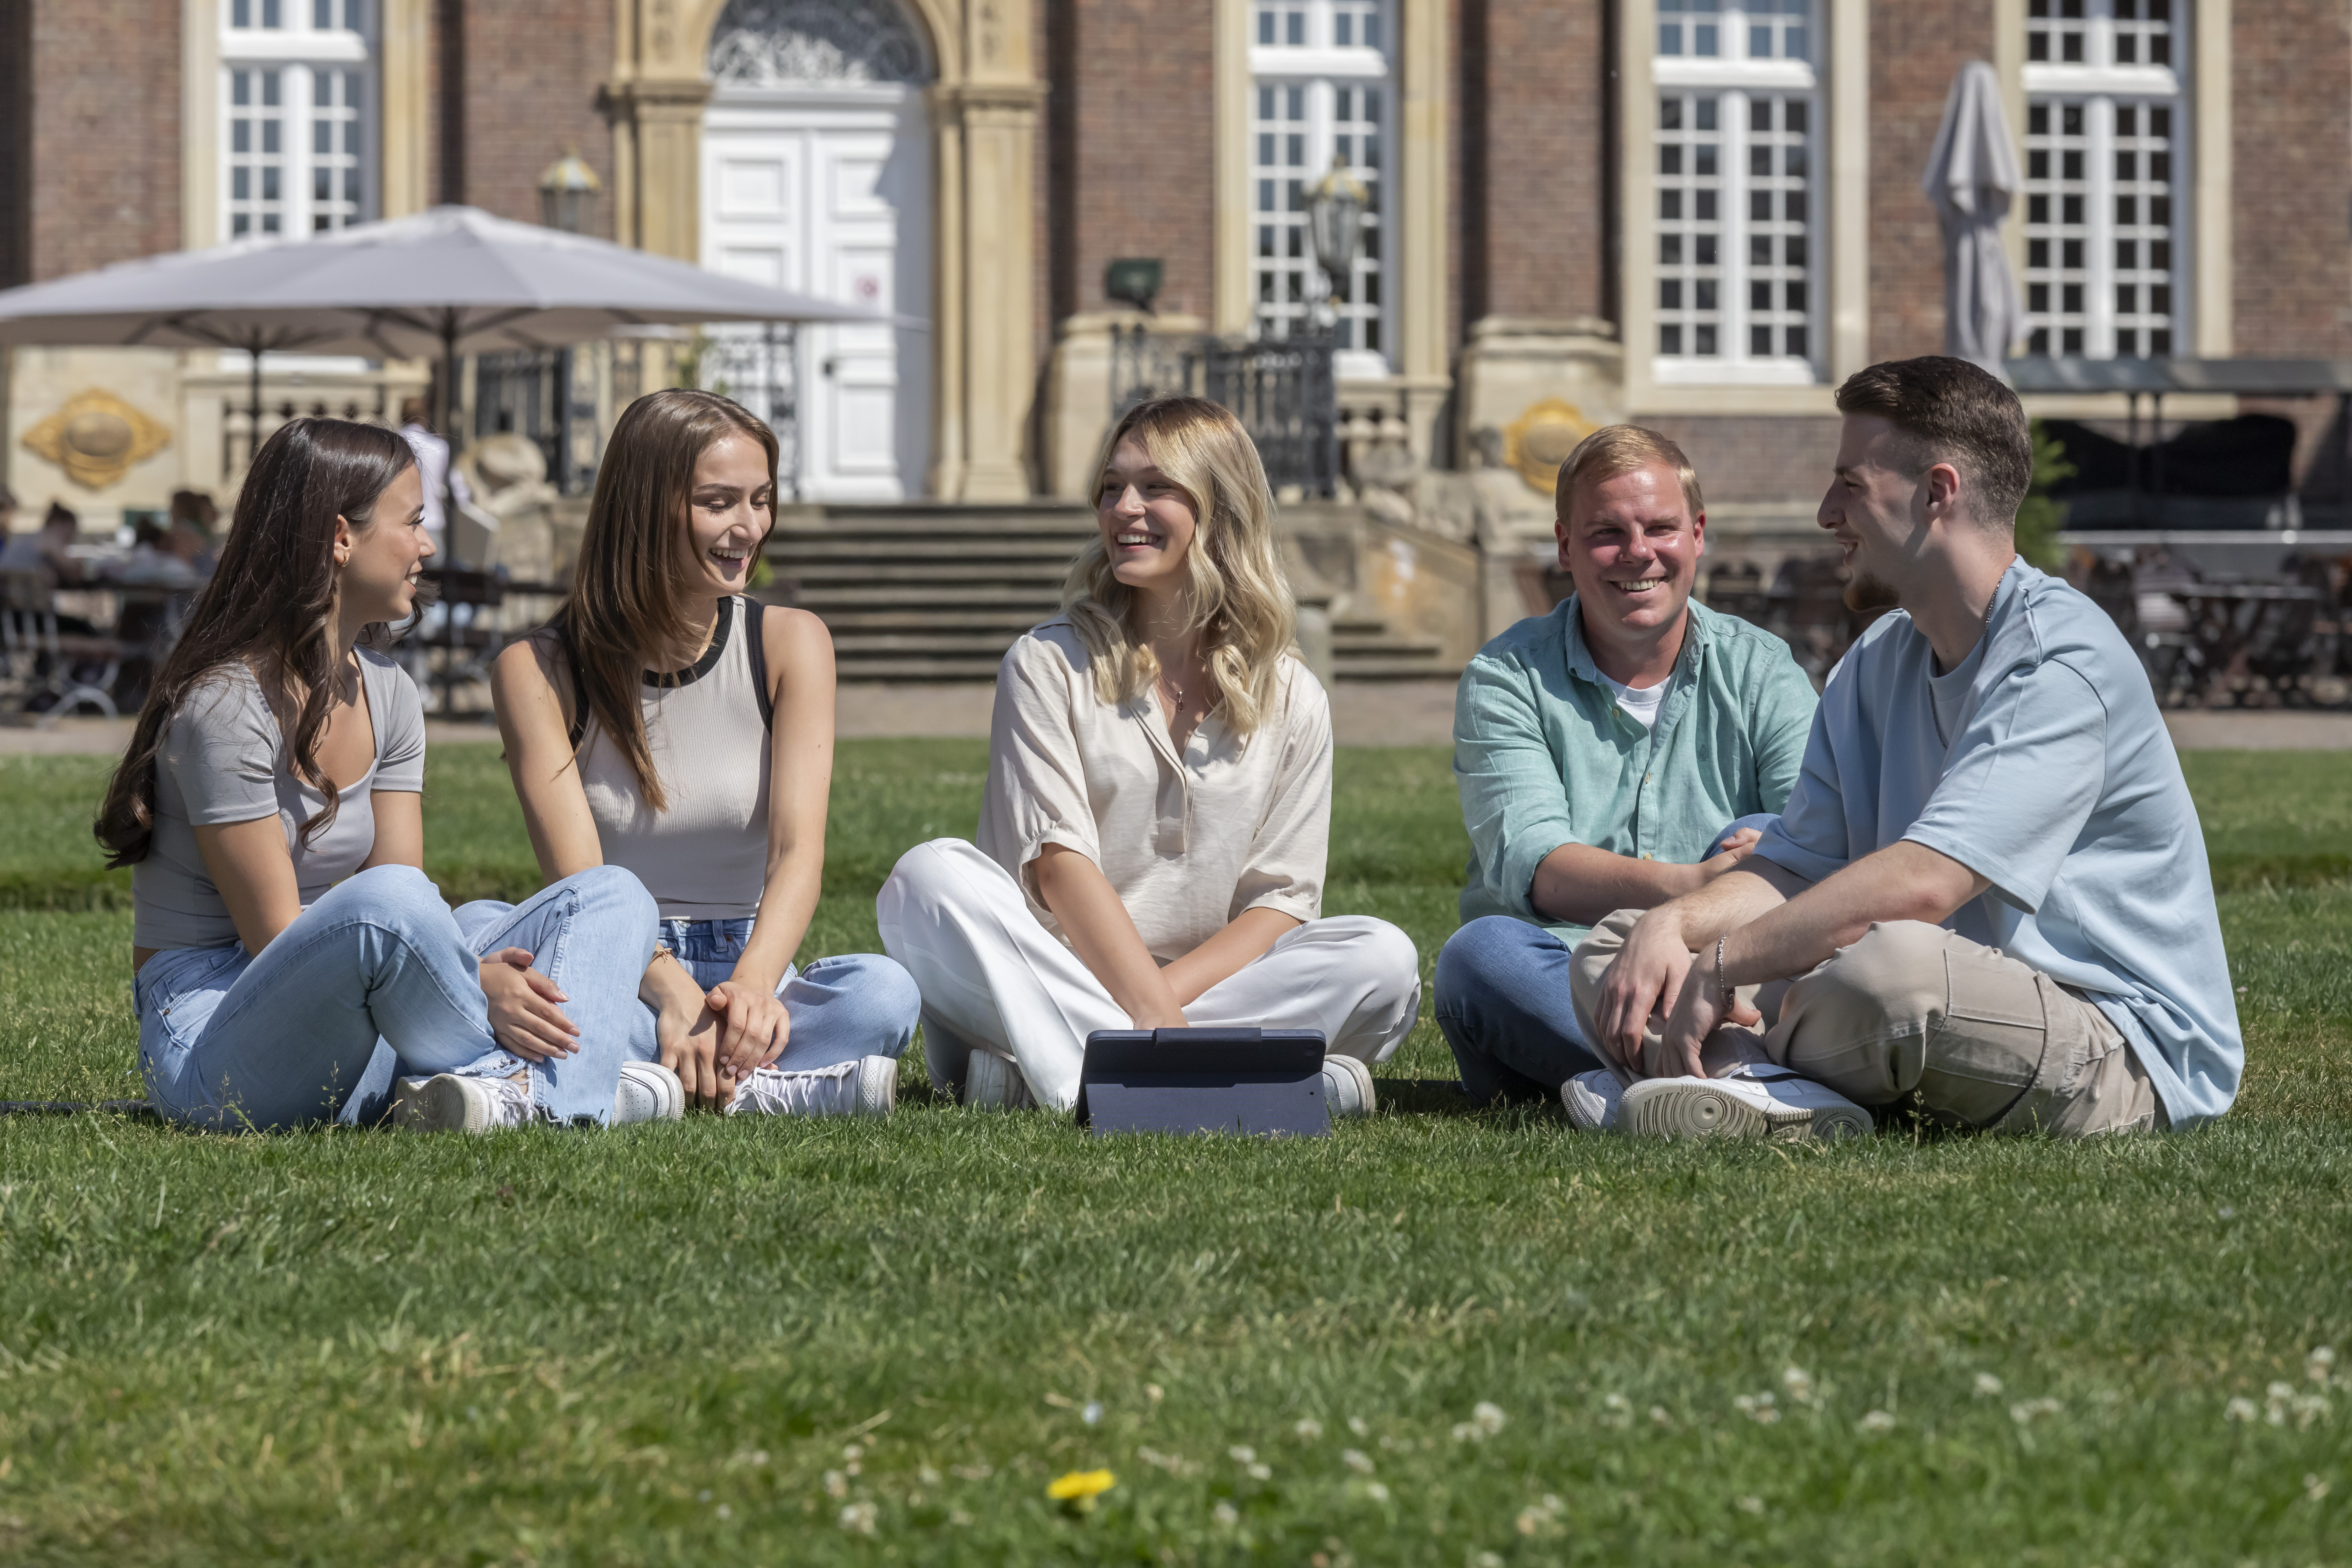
860, 1518
1877, 1421
1226, 1515
2027, 1411
1308, 1429
1986, 1385
1357, 1460
2238, 1409
1800, 1384
2319, 1363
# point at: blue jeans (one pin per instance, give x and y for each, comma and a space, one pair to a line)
380, 978
841, 1009
1503, 1004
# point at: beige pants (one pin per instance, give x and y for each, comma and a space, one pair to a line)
1911, 1008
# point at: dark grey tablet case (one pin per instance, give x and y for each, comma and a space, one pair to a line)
1204, 1080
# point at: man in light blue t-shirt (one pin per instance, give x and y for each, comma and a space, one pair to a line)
1989, 886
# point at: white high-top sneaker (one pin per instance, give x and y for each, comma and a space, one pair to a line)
993, 1083
648, 1091
1592, 1099
1348, 1086
1752, 1100
448, 1103
868, 1086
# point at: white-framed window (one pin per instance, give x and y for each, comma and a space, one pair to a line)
298, 116
2106, 134
1737, 218
1321, 91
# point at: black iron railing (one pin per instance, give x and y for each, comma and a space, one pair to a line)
549, 398
1283, 390
758, 367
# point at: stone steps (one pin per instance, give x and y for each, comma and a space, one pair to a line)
931, 592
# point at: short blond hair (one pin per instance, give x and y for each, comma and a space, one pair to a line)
1615, 449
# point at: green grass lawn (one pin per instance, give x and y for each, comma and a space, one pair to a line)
807, 1343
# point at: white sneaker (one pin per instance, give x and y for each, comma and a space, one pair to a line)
993, 1083
648, 1091
1752, 1101
448, 1103
1592, 1099
868, 1086
1348, 1086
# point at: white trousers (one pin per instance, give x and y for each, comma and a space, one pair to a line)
995, 979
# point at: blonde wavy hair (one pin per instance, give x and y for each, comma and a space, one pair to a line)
1240, 599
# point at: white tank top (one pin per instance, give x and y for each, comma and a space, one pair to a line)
706, 857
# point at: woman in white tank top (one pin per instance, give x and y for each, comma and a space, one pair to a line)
666, 723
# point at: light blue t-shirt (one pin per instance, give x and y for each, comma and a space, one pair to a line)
2040, 764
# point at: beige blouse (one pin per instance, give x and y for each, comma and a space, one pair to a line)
1189, 841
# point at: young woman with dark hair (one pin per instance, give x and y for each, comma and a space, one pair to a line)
291, 955
667, 722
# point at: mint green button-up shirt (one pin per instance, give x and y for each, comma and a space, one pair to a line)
1544, 756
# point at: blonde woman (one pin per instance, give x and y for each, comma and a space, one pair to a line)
668, 723
1159, 800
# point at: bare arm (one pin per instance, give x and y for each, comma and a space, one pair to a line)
1786, 934
1242, 941
1584, 886
1103, 935
753, 1027
250, 865
399, 828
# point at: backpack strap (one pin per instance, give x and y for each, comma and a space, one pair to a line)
755, 643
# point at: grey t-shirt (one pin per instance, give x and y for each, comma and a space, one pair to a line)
223, 760
2041, 762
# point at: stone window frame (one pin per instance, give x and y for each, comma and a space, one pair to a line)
397, 137
1738, 139
1840, 255
2206, 296
1310, 98
286, 84
2109, 153
1421, 50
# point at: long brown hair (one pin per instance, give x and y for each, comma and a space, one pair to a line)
1240, 597
271, 604
628, 591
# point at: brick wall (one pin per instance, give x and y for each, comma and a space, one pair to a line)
531, 70
105, 134
1916, 50
1756, 458
1532, 77
2291, 96
1130, 155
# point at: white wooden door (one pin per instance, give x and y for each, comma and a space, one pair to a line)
833, 198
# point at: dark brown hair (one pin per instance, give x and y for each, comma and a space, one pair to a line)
270, 604
1956, 413
628, 591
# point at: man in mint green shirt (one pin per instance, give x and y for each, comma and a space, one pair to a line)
1607, 754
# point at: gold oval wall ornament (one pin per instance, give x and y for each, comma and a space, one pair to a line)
1539, 440
96, 438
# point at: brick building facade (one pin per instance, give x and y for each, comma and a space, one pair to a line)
1520, 268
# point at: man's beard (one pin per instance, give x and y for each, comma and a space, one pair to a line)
1865, 595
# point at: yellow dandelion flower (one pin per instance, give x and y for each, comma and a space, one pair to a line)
1080, 1487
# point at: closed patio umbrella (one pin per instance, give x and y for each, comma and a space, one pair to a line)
1972, 177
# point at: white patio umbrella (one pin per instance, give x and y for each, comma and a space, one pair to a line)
1972, 176
453, 281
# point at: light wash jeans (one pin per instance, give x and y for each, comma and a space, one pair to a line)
1504, 1003
841, 1009
380, 978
